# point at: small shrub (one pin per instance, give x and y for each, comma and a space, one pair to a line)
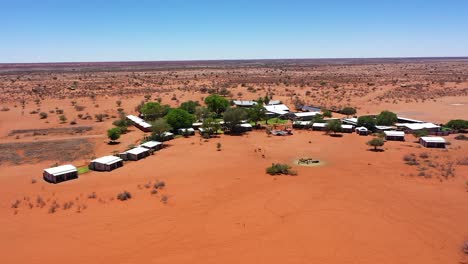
79, 108
465, 247
218, 146
410, 159
424, 155
278, 169
154, 191
5, 109
33, 181
159, 185
164, 199
461, 137
92, 195
43, 115
123, 196
463, 161
15, 204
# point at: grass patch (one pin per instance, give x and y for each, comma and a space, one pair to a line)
271, 121
83, 170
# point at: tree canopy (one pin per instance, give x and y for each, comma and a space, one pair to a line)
190, 106
348, 111
458, 124
153, 110
386, 118
179, 118
211, 126
158, 127
376, 142
334, 126
113, 134
233, 117
256, 113
327, 113
366, 121
217, 103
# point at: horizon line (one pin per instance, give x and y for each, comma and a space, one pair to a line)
234, 60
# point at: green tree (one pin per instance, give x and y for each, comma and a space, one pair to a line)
266, 99
327, 113
211, 126
179, 118
386, 118
234, 117
366, 121
348, 111
216, 103
376, 142
113, 134
190, 106
334, 126
256, 113
202, 112
153, 110
457, 124
158, 128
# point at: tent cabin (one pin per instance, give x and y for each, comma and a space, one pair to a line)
432, 142
135, 154
350, 121
153, 145
394, 135
186, 131
319, 126
415, 127
60, 173
140, 123
106, 163
362, 131
301, 124
244, 103
346, 128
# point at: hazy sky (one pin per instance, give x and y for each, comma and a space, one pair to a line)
100, 30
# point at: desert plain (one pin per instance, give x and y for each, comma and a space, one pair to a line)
358, 206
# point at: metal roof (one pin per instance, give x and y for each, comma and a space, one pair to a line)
433, 139
108, 160
137, 150
244, 102
418, 126
304, 114
393, 133
61, 170
319, 124
151, 144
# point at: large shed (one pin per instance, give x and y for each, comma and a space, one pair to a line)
319, 126
135, 153
60, 173
432, 142
106, 163
394, 135
140, 123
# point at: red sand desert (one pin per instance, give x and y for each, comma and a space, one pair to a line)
358, 206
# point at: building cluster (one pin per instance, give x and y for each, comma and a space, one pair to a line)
300, 120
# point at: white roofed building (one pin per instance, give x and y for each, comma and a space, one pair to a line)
414, 127
106, 163
394, 135
60, 173
154, 145
432, 142
140, 123
135, 153
279, 109
244, 103
319, 126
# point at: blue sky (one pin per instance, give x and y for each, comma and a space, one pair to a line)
57, 31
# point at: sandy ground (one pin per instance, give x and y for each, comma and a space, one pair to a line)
358, 206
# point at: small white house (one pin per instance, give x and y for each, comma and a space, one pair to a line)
106, 163
154, 145
60, 173
135, 154
432, 142
244, 103
394, 135
279, 109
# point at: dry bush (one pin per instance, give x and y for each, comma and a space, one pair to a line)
123, 196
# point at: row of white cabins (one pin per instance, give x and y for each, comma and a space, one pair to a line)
273, 108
